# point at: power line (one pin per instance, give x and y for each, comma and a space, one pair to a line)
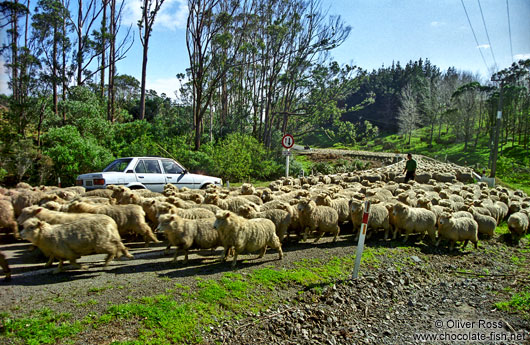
474, 35
487, 35
509, 29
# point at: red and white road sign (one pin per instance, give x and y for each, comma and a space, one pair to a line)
288, 141
362, 235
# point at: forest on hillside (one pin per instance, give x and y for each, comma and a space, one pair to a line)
257, 69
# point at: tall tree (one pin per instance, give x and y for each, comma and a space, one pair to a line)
51, 35
150, 9
408, 116
205, 34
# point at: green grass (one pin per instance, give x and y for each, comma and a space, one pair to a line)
183, 313
519, 302
43, 327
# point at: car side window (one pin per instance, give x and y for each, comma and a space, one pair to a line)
171, 168
152, 167
140, 168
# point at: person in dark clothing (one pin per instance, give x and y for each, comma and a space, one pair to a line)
410, 168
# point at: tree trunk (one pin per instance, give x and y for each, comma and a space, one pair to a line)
144, 76
80, 42
112, 63
54, 72
103, 49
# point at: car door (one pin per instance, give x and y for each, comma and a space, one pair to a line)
177, 175
149, 173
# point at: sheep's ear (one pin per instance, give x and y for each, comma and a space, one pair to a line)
40, 224
227, 214
153, 202
38, 210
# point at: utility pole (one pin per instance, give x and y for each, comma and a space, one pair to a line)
497, 130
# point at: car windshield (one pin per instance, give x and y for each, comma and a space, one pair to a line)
119, 165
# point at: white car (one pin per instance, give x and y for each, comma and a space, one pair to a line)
146, 173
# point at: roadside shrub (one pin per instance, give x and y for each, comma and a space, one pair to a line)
239, 157
73, 154
323, 168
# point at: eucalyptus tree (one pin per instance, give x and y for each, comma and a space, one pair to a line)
211, 26
408, 116
12, 12
50, 33
87, 14
150, 9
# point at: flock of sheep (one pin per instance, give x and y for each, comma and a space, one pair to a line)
66, 223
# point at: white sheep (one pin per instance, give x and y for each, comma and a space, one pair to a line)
5, 267
7, 217
414, 220
128, 217
188, 233
378, 216
518, 223
321, 218
72, 240
486, 224
280, 218
246, 234
457, 229
341, 205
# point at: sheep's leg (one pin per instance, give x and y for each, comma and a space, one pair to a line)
262, 252
320, 234
394, 235
306, 234
166, 251
475, 244
186, 252
280, 252
465, 244
452, 245
74, 264
336, 234
7, 270
59, 268
50, 262
438, 242
406, 237
234, 263
109, 259
176, 254
387, 232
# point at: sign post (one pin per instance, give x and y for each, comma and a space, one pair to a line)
362, 235
287, 142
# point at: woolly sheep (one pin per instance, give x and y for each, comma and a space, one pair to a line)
246, 234
518, 224
128, 217
414, 220
248, 189
280, 218
377, 219
7, 217
188, 233
340, 205
72, 240
323, 218
486, 224
5, 267
457, 229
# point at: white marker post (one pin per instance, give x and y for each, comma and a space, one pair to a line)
287, 142
362, 235
287, 163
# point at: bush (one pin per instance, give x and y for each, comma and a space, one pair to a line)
239, 157
72, 154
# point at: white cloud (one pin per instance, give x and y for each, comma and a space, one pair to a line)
437, 24
518, 57
172, 15
164, 85
483, 46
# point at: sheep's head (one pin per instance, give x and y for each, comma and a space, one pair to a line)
32, 229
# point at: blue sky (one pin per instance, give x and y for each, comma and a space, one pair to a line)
382, 31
